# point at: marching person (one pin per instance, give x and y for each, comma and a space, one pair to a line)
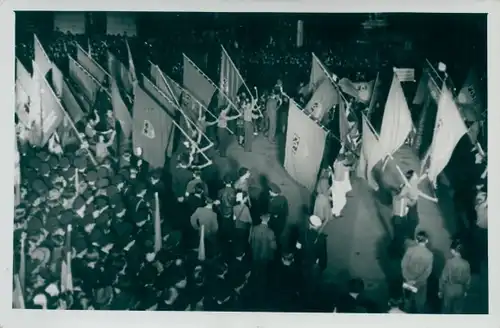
416, 267
272, 105
248, 124
455, 281
322, 205
404, 229
205, 216
102, 147
341, 185
181, 176
312, 257
242, 221
55, 145
222, 133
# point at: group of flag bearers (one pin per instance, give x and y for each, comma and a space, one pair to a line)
185, 108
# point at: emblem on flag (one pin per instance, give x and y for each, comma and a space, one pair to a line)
295, 143
148, 129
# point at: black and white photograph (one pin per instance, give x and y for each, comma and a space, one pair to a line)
251, 162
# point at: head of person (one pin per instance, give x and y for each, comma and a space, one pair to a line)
457, 248
209, 203
243, 173
315, 222
184, 159
409, 174
109, 113
228, 181
101, 139
264, 219
422, 238
197, 174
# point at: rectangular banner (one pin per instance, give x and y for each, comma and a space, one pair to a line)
153, 129
305, 144
71, 104
41, 58
87, 83
91, 65
405, 74
120, 73
121, 111
323, 99
230, 79
57, 80
159, 96
196, 82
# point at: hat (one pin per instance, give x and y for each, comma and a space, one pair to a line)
103, 172
35, 163
78, 242
315, 221
98, 238
29, 174
156, 174
274, 189
112, 191
66, 217
53, 162
40, 254
52, 224
103, 295
44, 169
140, 187
126, 156
123, 231
80, 162
88, 219
117, 205
91, 176
102, 183
64, 163
39, 186
103, 219
117, 179
78, 203
35, 225
43, 155
87, 194
100, 202
55, 211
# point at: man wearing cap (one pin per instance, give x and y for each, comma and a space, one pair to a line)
263, 246
196, 180
139, 164
278, 209
312, 257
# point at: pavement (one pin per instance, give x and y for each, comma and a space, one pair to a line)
358, 241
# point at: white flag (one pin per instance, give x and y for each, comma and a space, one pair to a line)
371, 154
396, 123
448, 130
405, 74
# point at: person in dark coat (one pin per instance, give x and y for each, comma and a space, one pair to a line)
196, 199
354, 300
181, 175
286, 284
263, 247
312, 257
278, 209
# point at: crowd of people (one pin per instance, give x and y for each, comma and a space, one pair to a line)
225, 242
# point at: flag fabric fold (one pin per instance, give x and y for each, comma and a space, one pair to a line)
396, 122
86, 61
305, 145
159, 96
153, 128
131, 66
120, 73
41, 58
370, 155
230, 78
448, 130
197, 83
88, 85
324, 98
121, 111
422, 88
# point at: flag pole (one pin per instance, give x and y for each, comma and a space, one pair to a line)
22, 264
158, 236
212, 83
90, 75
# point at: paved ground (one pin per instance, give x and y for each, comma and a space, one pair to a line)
357, 242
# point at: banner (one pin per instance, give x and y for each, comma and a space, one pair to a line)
153, 129
22, 104
120, 73
470, 99
86, 82
305, 144
318, 74
50, 114
396, 122
23, 76
131, 66
230, 78
121, 111
405, 74
323, 99
448, 130
197, 82
57, 80
90, 65
159, 96
120, 23
370, 155
71, 104
69, 22
422, 88
41, 59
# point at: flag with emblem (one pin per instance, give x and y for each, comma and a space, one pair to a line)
153, 128
305, 144
449, 129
